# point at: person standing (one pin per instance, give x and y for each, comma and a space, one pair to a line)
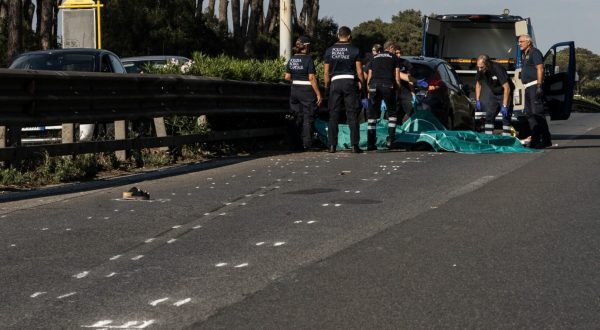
493, 84
305, 96
342, 69
382, 79
406, 94
532, 76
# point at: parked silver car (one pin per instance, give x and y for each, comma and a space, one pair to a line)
138, 64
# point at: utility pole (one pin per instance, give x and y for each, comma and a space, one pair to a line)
285, 29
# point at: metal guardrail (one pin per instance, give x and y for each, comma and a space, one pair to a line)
36, 98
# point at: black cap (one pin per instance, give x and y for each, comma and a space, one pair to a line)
303, 40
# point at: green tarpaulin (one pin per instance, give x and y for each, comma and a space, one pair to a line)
423, 127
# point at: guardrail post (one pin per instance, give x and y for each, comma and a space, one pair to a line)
161, 130
68, 133
121, 134
2, 136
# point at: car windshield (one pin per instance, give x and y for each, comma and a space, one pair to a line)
56, 62
420, 71
138, 66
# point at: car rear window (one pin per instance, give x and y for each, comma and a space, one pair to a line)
420, 71
56, 62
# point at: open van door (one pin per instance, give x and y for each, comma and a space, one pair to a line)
559, 80
431, 38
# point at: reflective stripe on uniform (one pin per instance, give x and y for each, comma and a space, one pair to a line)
342, 76
301, 82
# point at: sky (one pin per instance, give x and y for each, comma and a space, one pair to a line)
553, 20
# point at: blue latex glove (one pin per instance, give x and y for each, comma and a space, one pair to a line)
478, 105
364, 102
422, 83
504, 111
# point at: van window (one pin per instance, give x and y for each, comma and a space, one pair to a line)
116, 64
105, 64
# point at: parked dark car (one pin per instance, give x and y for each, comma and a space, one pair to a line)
140, 63
67, 59
446, 97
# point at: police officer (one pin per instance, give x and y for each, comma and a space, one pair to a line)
406, 93
305, 96
532, 76
493, 94
342, 68
382, 79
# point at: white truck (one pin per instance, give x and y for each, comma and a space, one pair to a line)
460, 38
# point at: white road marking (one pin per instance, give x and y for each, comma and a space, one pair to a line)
158, 301
37, 294
116, 210
66, 295
242, 265
279, 243
221, 264
89, 218
337, 205
224, 213
68, 229
13, 245
137, 257
260, 243
197, 227
44, 229
299, 221
149, 240
207, 213
116, 257
175, 227
171, 241
311, 222
325, 204
182, 302
81, 275
111, 274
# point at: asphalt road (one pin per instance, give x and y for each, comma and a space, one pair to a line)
386, 240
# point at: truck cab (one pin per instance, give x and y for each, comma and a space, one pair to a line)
460, 38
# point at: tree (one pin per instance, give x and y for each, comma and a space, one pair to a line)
223, 14
404, 29
14, 28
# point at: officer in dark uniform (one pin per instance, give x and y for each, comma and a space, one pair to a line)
532, 76
493, 87
305, 96
382, 79
342, 69
406, 93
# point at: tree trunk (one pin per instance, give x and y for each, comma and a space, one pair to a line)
45, 23
254, 20
272, 16
15, 26
28, 11
235, 19
199, 4
245, 10
3, 10
313, 19
210, 10
55, 5
223, 14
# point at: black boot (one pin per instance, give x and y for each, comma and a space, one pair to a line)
356, 149
371, 137
331, 149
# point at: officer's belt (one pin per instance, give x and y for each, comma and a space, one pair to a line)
342, 76
531, 83
301, 82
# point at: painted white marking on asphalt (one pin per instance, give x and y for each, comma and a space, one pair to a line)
325, 204
158, 301
149, 240
228, 203
261, 195
242, 265
337, 205
173, 240
111, 274
13, 245
207, 213
221, 264
346, 191
66, 295
224, 213
279, 243
116, 257
212, 187
260, 243
173, 194
175, 227
116, 210
81, 275
243, 204
197, 187
311, 222
137, 257
197, 227
106, 218
89, 218
44, 229
37, 294
99, 324
299, 221
182, 302
68, 229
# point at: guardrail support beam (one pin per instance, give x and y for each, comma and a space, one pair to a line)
121, 134
68, 133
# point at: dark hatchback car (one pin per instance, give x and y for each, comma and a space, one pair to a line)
446, 97
66, 59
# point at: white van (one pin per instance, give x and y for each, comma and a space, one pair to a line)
459, 39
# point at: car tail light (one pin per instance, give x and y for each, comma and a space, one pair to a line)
434, 84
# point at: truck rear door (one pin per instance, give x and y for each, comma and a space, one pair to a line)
559, 80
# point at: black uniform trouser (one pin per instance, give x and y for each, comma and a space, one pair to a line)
540, 133
491, 106
382, 92
303, 103
346, 91
404, 103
